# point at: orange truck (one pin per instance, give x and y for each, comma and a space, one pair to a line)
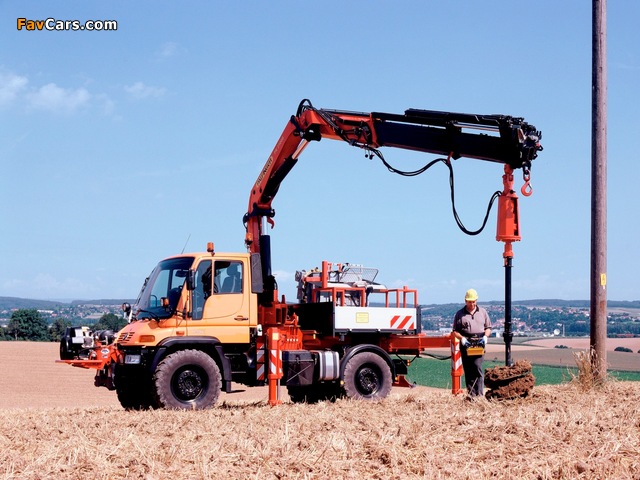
204, 321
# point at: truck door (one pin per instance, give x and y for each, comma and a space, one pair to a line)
221, 301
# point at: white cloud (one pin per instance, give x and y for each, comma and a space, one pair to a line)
108, 106
283, 275
169, 49
57, 99
11, 86
140, 91
16, 90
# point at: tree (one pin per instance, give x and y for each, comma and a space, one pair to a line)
58, 328
109, 321
28, 324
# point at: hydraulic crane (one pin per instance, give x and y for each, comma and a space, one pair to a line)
494, 138
206, 319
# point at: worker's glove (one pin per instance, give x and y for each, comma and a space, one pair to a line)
485, 340
464, 342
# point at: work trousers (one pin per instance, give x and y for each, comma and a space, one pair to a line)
473, 374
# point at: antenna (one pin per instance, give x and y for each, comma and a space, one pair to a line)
185, 244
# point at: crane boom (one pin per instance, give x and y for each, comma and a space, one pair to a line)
494, 138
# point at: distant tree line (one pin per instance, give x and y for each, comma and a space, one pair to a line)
28, 324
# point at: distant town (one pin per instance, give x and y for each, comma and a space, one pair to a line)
529, 318
76, 313
544, 318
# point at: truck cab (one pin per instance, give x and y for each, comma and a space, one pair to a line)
194, 295
198, 303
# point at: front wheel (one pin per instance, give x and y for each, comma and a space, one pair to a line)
367, 376
187, 379
133, 388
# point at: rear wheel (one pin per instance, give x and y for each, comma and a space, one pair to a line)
367, 376
187, 379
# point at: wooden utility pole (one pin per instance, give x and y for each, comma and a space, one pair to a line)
598, 310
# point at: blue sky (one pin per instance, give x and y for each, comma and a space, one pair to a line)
118, 147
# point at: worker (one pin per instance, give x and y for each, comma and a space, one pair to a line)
472, 326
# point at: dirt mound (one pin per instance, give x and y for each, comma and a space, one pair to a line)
511, 382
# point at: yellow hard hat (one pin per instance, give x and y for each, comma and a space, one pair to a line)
471, 295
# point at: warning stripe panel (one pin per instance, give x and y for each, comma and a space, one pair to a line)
375, 318
260, 358
397, 322
275, 362
456, 356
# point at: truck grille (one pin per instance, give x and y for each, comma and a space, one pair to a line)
124, 337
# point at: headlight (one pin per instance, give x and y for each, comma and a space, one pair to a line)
132, 359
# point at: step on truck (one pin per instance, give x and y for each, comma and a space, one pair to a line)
206, 321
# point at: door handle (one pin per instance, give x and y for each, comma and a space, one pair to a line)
240, 318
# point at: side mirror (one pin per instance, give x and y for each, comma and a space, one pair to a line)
191, 280
164, 302
126, 308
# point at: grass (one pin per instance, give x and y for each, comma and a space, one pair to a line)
430, 372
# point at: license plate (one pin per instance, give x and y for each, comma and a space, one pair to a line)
132, 359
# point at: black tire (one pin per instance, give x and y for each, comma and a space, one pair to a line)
133, 389
65, 350
367, 376
187, 379
300, 394
314, 393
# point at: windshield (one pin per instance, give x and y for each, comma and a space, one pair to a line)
166, 280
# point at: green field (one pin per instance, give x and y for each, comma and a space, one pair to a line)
429, 372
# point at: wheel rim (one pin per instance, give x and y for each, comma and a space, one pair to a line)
189, 383
368, 380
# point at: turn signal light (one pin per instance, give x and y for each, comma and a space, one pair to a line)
147, 338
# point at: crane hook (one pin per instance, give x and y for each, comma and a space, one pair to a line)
526, 189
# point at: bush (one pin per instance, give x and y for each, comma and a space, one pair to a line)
590, 375
623, 349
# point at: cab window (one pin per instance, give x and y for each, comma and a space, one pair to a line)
202, 288
228, 277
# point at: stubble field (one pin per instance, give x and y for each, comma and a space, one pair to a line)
55, 424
